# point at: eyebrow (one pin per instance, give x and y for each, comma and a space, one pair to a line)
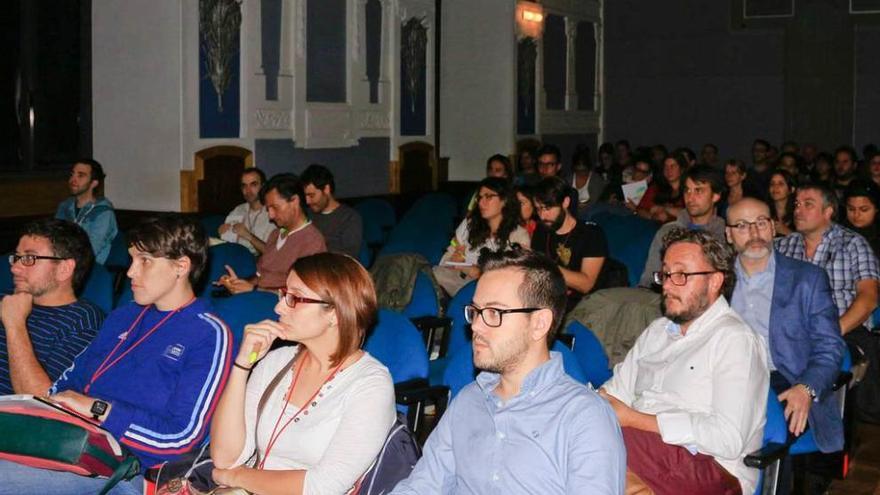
490, 304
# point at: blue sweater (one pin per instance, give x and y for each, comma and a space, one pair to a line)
163, 392
97, 219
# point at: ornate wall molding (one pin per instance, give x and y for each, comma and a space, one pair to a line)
374, 121
273, 120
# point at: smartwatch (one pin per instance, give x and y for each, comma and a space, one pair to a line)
98, 409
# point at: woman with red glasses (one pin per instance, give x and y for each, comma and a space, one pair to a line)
311, 418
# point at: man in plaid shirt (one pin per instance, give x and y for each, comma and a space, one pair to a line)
846, 256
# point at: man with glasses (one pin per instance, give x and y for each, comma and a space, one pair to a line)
44, 327
788, 303
691, 394
523, 426
550, 165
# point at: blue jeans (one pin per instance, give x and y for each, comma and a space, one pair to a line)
20, 479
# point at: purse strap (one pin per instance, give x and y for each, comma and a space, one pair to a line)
125, 470
274, 384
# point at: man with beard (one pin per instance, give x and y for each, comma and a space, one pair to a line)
679, 393
578, 248
788, 303
845, 165
248, 223
523, 426
703, 186
340, 224
43, 327
87, 207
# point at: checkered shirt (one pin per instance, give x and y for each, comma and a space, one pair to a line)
845, 255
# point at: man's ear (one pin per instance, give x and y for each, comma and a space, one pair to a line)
727, 234
541, 323
716, 282
66, 269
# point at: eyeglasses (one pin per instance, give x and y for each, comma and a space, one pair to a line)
677, 278
291, 300
30, 259
491, 316
742, 227
482, 197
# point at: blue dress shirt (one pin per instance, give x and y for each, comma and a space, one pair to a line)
753, 297
556, 436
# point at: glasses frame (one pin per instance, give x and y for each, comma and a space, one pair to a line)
660, 277
501, 313
744, 227
15, 258
286, 296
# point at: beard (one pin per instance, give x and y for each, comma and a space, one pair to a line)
757, 249
501, 356
557, 223
692, 307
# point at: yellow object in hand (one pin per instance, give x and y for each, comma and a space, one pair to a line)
252, 357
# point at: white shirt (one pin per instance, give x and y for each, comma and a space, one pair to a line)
472, 253
708, 388
337, 437
256, 221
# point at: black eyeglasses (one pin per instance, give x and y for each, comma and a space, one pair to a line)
291, 300
762, 223
677, 278
491, 316
31, 259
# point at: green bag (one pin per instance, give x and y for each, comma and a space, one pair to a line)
37, 433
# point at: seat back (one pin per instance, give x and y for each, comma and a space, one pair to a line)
98, 288
460, 332
629, 238
6, 283
589, 353
229, 253
118, 257
242, 309
425, 300
397, 344
378, 218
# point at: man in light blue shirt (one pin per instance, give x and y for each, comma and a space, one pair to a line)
523, 426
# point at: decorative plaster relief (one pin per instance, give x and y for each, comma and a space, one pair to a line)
272, 119
375, 121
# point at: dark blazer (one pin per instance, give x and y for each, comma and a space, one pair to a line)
805, 342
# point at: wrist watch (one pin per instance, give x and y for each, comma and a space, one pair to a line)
98, 409
809, 389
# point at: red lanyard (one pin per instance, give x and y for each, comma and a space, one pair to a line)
107, 364
275, 436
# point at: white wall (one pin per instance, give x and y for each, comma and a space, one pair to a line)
477, 84
136, 99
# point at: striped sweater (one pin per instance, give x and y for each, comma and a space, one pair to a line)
164, 391
58, 334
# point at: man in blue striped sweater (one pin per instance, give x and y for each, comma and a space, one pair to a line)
44, 327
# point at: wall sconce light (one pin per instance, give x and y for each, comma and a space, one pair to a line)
529, 19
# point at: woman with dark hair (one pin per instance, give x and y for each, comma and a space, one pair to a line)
314, 416
528, 220
782, 190
494, 225
605, 162
499, 166
664, 199
862, 200
823, 171
154, 373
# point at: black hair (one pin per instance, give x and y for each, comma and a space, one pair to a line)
255, 170
68, 240
551, 191
286, 185
508, 167
173, 236
318, 176
549, 149
706, 174
478, 227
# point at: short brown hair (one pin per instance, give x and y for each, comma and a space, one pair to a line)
346, 285
173, 236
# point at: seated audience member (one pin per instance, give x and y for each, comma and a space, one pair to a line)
623, 154
605, 162
823, 171
44, 327
294, 238
758, 176
550, 165
528, 219
782, 194
791, 163
316, 414
154, 373
663, 201
248, 223
845, 167
87, 208
737, 187
862, 199
578, 248
493, 226
523, 426
589, 186
874, 168
679, 393
702, 191
789, 304
340, 224
709, 156
658, 154
499, 166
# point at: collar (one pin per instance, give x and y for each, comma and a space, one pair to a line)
548, 373
719, 306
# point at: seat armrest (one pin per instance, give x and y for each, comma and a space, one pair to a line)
766, 456
436, 342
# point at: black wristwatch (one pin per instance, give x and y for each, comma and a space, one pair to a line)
98, 409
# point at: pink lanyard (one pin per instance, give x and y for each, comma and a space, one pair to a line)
105, 365
274, 437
